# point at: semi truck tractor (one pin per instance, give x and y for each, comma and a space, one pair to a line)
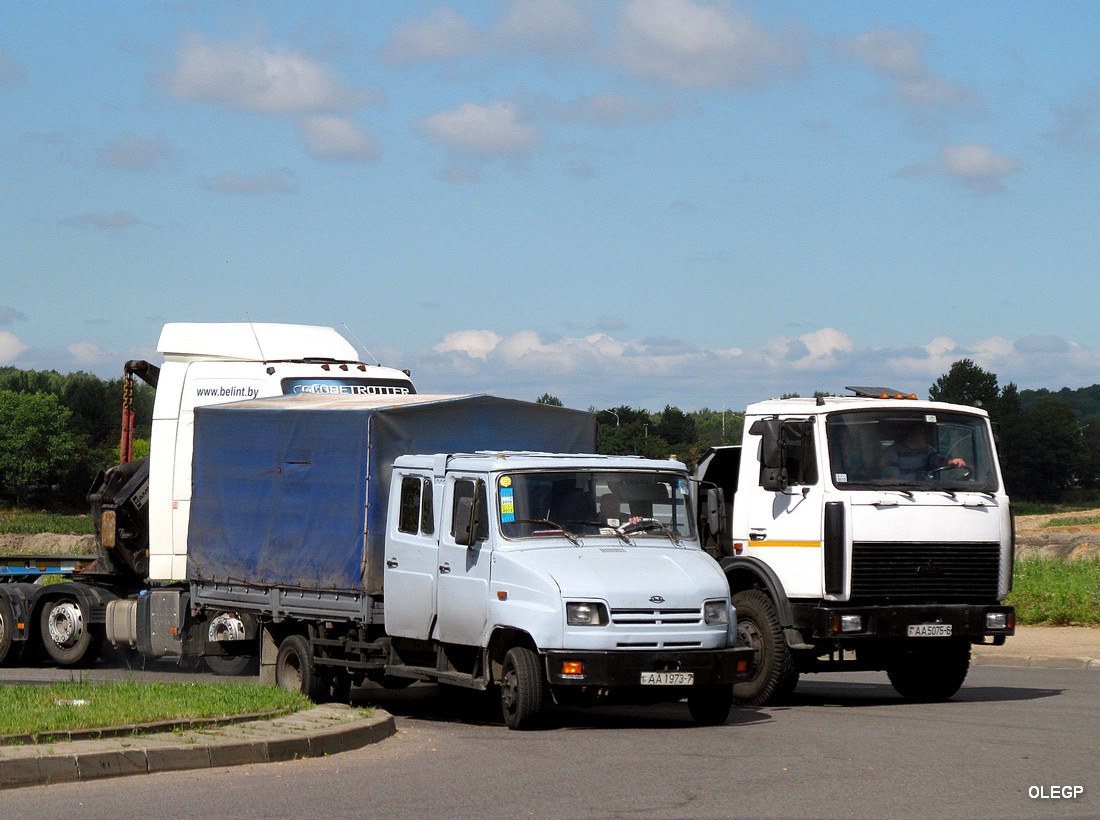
866, 532
141, 507
468, 541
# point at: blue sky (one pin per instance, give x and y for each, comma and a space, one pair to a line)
646, 202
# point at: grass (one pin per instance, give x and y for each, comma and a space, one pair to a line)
1070, 522
21, 522
1055, 592
79, 704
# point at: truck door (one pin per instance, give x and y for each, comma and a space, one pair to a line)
462, 596
412, 553
784, 527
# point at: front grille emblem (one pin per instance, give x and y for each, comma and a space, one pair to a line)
656, 599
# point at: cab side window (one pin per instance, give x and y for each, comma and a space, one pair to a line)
801, 454
417, 511
465, 491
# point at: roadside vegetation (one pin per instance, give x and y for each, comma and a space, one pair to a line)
19, 522
1056, 592
37, 710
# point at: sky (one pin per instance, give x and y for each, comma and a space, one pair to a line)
648, 202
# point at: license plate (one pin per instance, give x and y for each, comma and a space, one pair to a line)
929, 630
668, 678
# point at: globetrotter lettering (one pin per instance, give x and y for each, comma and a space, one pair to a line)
1055, 792
335, 388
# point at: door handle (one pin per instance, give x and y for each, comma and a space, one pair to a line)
391, 563
758, 536
444, 569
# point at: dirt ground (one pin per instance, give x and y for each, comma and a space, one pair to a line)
1069, 541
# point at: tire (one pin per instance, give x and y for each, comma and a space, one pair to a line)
522, 688
7, 632
930, 676
774, 674
66, 634
710, 705
232, 665
295, 669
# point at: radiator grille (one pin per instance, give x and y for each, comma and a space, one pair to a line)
925, 571
655, 617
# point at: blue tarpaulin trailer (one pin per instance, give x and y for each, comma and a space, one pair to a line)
314, 471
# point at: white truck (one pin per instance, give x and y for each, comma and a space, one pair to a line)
141, 507
867, 532
463, 540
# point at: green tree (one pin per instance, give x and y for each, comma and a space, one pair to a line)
1049, 455
966, 383
37, 445
546, 398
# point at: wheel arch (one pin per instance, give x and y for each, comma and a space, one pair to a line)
503, 639
745, 572
93, 600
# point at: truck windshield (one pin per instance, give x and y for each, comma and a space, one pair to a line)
910, 450
619, 505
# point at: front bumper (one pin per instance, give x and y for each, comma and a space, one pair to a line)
967, 621
624, 668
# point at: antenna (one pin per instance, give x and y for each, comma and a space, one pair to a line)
256, 336
362, 346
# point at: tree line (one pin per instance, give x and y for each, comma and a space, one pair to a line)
57, 431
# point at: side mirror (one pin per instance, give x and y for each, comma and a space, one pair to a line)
714, 511
773, 453
466, 523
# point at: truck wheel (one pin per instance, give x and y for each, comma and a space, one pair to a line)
7, 631
232, 665
295, 669
774, 675
710, 705
930, 676
66, 634
522, 688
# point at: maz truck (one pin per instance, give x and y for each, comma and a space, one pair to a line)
141, 507
867, 532
469, 541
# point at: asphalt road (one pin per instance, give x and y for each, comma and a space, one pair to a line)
846, 747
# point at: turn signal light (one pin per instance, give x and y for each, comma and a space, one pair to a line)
572, 668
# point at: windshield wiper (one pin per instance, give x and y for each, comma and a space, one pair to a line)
646, 524
573, 539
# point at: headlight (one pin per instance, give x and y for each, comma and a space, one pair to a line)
996, 620
585, 613
716, 613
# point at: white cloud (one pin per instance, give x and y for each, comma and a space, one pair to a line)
254, 78
442, 35
605, 370
134, 153
282, 181
477, 344
696, 45
551, 27
88, 354
487, 131
974, 165
899, 56
10, 346
331, 137
12, 73
543, 26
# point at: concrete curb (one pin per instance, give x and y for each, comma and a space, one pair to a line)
323, 730
1036, 661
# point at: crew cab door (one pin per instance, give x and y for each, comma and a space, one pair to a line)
462, 594
781, 506
412, 553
